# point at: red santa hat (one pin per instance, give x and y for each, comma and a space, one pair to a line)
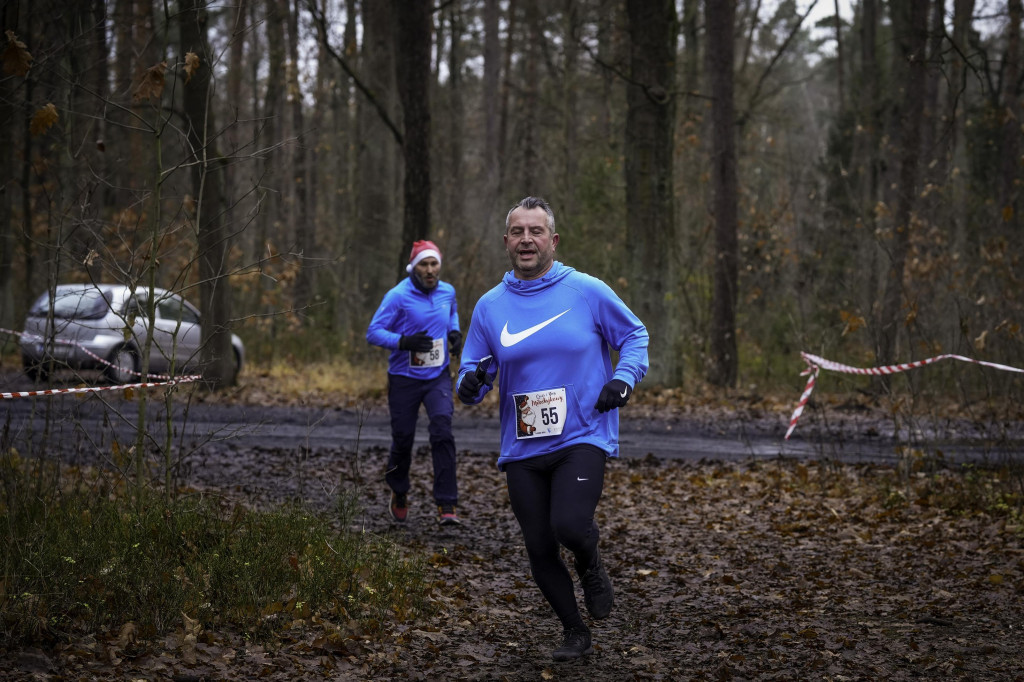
422, 249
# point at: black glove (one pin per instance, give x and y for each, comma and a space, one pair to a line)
420, 342
454, 342
471, 382
614, 394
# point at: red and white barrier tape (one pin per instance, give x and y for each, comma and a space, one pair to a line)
168, 380
93, 389
815, 363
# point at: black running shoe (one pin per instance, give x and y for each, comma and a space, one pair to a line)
575, 643
598, 594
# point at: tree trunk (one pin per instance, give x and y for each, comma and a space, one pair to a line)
932, 138
840, 65
528, 165
691, 56
492, 76
298, 182
412, 67
97, 74
270, 234
271, 131
506, 86
867, 144
318, 176
649, 149
375, 239
963, 11
345, 205
608, 47
9, 124
911, 33
130, 148
720, 19
456, 125
238, 110
485, 212
570, 96
1009, 161
208, 180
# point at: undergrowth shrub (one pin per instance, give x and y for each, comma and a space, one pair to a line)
80, 556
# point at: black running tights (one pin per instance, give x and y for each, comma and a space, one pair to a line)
554, 497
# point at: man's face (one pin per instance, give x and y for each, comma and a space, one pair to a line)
427, 271
529, 243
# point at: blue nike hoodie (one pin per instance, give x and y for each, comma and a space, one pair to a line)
548, 334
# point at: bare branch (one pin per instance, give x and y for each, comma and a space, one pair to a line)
321, 27
742, 119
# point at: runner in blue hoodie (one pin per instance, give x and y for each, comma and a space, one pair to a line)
549, 330
418, 320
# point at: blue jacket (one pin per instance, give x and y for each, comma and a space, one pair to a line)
407, 310
552, 333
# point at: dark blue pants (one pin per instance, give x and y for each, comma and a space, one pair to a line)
554, 497
405, 396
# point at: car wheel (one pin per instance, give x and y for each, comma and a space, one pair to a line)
34, 369
123, 366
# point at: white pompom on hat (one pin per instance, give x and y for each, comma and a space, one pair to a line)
421, 249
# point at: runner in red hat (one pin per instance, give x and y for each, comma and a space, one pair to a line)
418, 321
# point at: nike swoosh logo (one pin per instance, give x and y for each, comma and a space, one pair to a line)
508, 339
582, 479
624, 392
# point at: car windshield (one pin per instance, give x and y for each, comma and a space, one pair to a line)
77, 304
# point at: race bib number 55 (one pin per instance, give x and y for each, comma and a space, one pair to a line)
540, 413
430, 358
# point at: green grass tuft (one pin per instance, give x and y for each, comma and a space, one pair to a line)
80, 557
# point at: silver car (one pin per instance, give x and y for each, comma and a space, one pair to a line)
104, 326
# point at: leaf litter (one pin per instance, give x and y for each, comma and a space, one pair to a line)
760, 570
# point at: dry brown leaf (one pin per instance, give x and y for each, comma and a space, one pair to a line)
152, 84
43, 119
192, 628
17, 59
191, 65
191, 625
852, 322
188, 649
128, 635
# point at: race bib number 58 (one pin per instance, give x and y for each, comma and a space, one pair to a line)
430, 358
540, 413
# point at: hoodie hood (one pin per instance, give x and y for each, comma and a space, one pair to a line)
528, 287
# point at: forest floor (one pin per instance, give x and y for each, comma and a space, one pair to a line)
762, 570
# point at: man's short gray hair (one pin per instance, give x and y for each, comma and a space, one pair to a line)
532, 202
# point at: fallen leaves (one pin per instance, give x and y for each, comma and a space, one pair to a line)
767, 570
